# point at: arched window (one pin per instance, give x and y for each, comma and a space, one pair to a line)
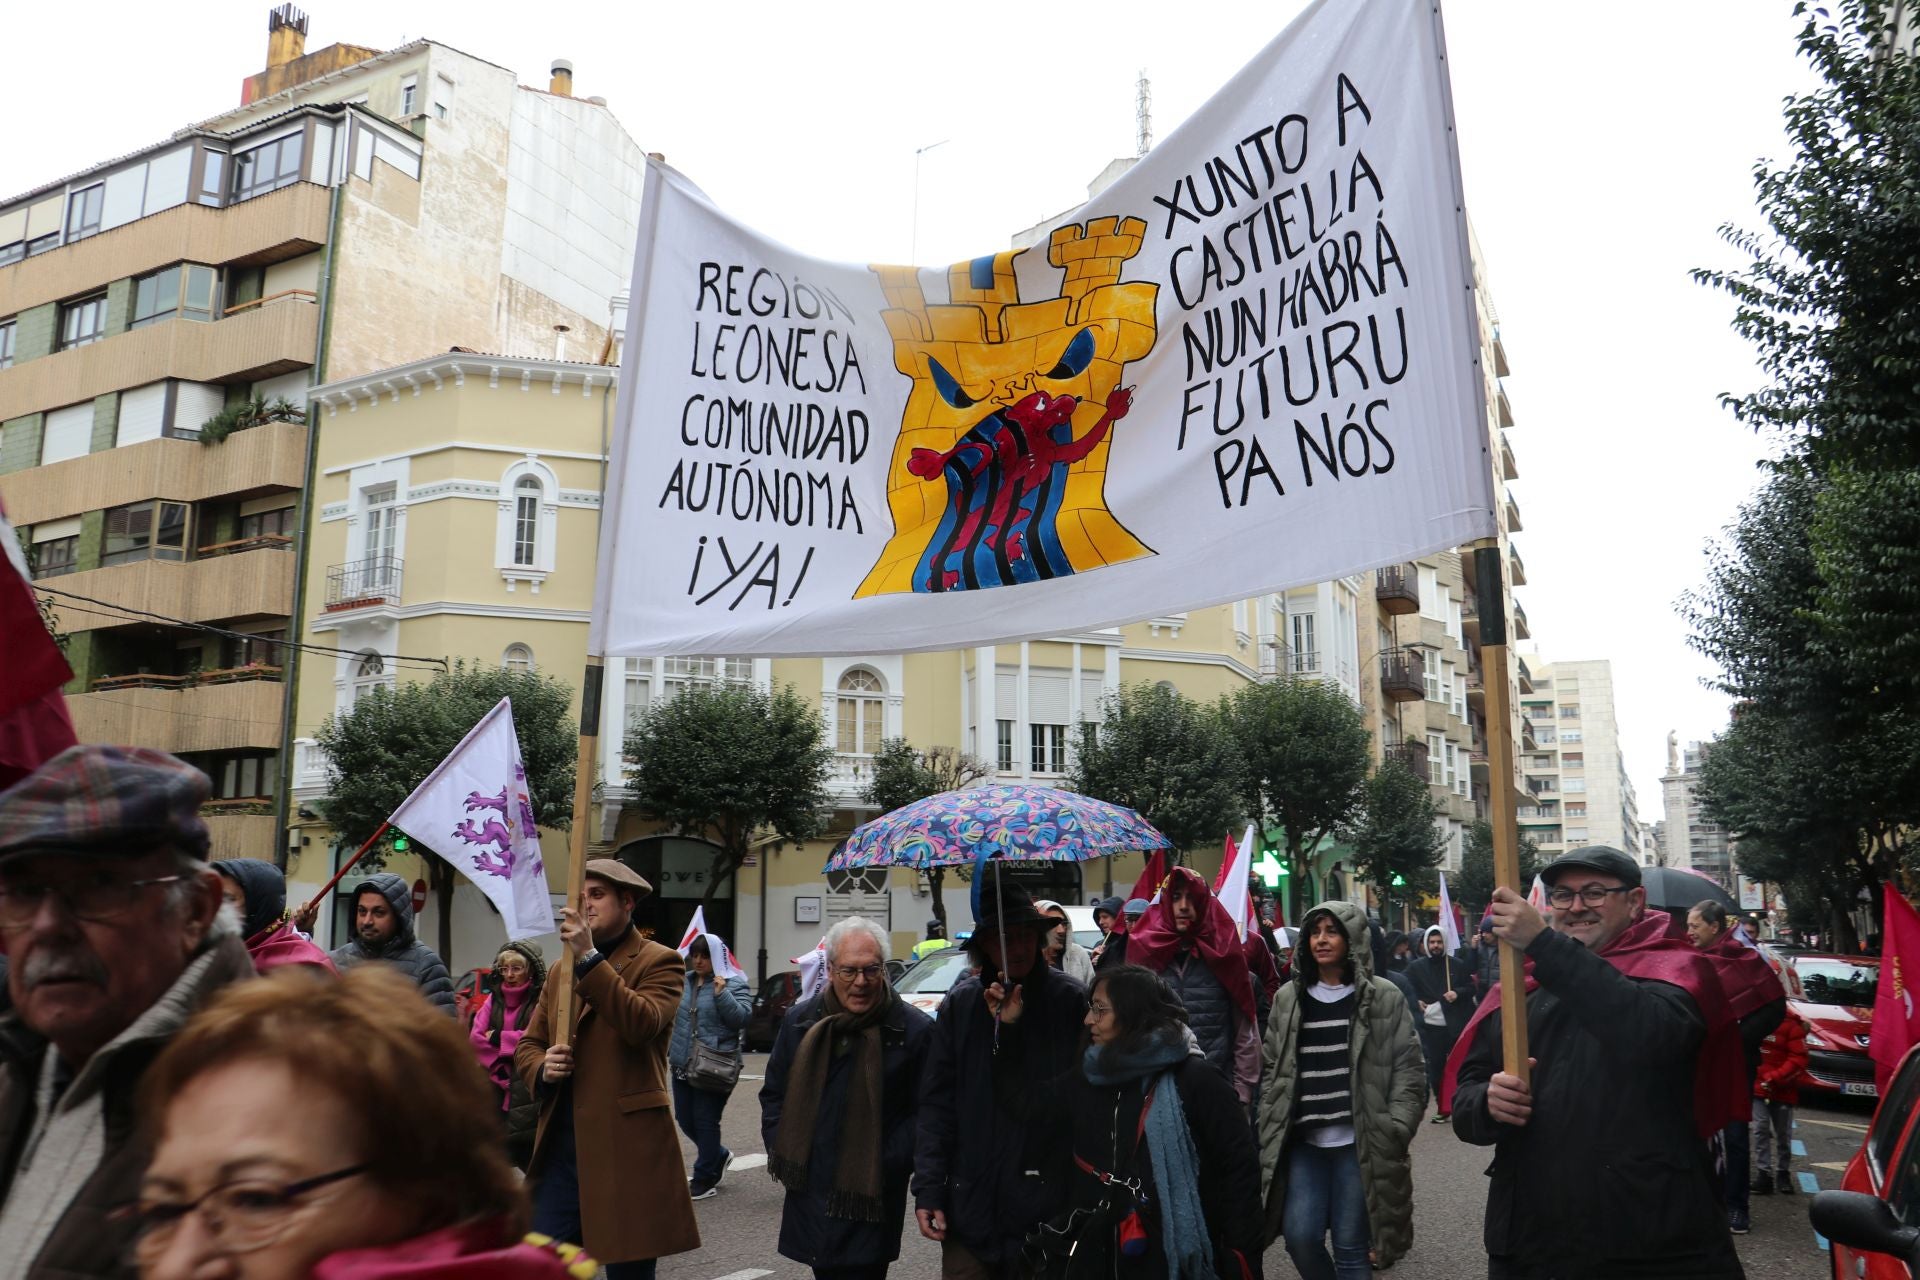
369, 673
526, 520
518, 658
862, 713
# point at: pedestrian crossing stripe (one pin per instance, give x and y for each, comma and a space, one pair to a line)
1811, 1185
1834, 1124
1799, 1147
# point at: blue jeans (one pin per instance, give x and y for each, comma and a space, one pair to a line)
556, 1200
1324, 1194
699, 1112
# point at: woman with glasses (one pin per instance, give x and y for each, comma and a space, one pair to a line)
510, 992
713, 1009
839, 1108
339, 1131
1165, 1176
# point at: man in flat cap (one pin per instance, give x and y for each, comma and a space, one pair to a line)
606, 1162
113, 923
1600, 1166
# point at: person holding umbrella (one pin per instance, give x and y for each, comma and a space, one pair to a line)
976, 1187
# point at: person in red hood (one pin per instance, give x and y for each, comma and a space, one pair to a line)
293, 1140
1757, 1002
1188, 938
1599, 1168
257, 890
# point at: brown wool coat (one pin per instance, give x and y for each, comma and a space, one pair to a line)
633, 1182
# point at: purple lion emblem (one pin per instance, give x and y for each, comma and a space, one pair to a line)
493, 837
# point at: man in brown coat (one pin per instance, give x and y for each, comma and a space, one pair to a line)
606, 1161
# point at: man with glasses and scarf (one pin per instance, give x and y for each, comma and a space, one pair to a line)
114, 926
1600, 1164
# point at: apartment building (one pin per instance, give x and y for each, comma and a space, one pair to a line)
1691, 838
1576, 771
163, 313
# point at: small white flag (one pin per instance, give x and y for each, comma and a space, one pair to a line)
1537, 896
1232, 887
476, 812
813, 970
717, 952
1449, 926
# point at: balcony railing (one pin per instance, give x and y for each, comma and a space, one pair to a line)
1403, 675
192, 680
1411, 754
259, 542
1397, 589
375, 580
1304, 662
1520, 628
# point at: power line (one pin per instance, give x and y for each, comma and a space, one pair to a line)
127, 613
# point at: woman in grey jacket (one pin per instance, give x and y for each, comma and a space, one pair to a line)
1345, 1090
714, 1008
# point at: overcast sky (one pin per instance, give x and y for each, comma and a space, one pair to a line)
1602, 147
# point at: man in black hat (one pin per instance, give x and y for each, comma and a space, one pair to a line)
976, 1189
115, 929
1601, 1166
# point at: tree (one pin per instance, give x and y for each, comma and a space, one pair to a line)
1395, 833
902, 774
1306, 752
1473, 888
721, 762
1159, 752
382, 747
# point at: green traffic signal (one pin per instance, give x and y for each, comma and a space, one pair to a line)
400, 843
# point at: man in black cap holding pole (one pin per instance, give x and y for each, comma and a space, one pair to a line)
1600, 1167
976, 1189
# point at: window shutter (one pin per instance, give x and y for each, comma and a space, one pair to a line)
68, 433
1092, 689
1048, 697
142, 412
1006, 695
193, 404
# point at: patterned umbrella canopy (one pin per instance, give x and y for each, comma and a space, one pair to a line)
1006, 822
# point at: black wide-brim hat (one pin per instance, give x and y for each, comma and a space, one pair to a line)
1007, 906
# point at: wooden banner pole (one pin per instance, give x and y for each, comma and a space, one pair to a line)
585, 763
313, 906
1490, 581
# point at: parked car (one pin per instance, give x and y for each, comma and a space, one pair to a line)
770, 1004
1834, 995
1873, 1221
466, 993
1081, 928
926, 982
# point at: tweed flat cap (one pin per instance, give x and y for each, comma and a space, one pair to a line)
615, 871
105, 800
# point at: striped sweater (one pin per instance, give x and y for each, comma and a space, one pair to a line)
1323, 1103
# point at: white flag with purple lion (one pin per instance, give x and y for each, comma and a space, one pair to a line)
476, 812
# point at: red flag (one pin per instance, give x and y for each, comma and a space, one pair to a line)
34, 726
1145, 887
1896, 1022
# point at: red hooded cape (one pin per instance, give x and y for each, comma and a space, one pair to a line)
1154, 939
1649, 951
1746, 979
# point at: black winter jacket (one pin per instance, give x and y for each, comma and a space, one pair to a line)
807, 1234
403, 951
970, 1161
1607, 1180
1099, 1124
1210, 1010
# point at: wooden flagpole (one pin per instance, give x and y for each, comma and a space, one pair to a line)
1490, 583
314, 905
584, 766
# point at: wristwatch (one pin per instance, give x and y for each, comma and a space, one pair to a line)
585, 963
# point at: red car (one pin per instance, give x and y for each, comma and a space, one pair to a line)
1873, 1221
1834, 995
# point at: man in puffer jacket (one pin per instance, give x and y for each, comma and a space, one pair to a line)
383, 931
1349, 1113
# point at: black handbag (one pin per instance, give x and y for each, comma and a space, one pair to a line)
708, 1068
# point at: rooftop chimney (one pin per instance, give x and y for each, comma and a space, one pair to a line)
286, 35
562, 83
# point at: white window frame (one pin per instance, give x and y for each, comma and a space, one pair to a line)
507, 526
409, 96
518, 657
859, 691
1436, 759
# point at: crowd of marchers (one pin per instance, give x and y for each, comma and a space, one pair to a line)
189, 1087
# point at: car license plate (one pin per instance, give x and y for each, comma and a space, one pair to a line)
1862, 1090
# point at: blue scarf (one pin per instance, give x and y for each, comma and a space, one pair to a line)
1183, 1223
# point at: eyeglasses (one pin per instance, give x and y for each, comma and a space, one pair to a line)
97, 898
1591, 895
862, 973
241, 1216
1099, 1010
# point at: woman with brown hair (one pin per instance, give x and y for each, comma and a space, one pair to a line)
337, 1131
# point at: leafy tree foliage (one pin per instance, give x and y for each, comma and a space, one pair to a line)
1394, 833
1307, 755
723, 762
1158, 751
902, 773
386, 744
1473, 888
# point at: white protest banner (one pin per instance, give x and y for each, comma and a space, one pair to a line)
1251, 362
476, 812
719, 955
1449, 923
1233, 887
813, 970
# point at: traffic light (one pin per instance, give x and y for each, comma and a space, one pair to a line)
400, 842
1399, 881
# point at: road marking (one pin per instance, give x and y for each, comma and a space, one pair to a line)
751, 1273
1799, 1147
1837, 1166
758, 1160
746, 1076
1834, 1124
1811, 1185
